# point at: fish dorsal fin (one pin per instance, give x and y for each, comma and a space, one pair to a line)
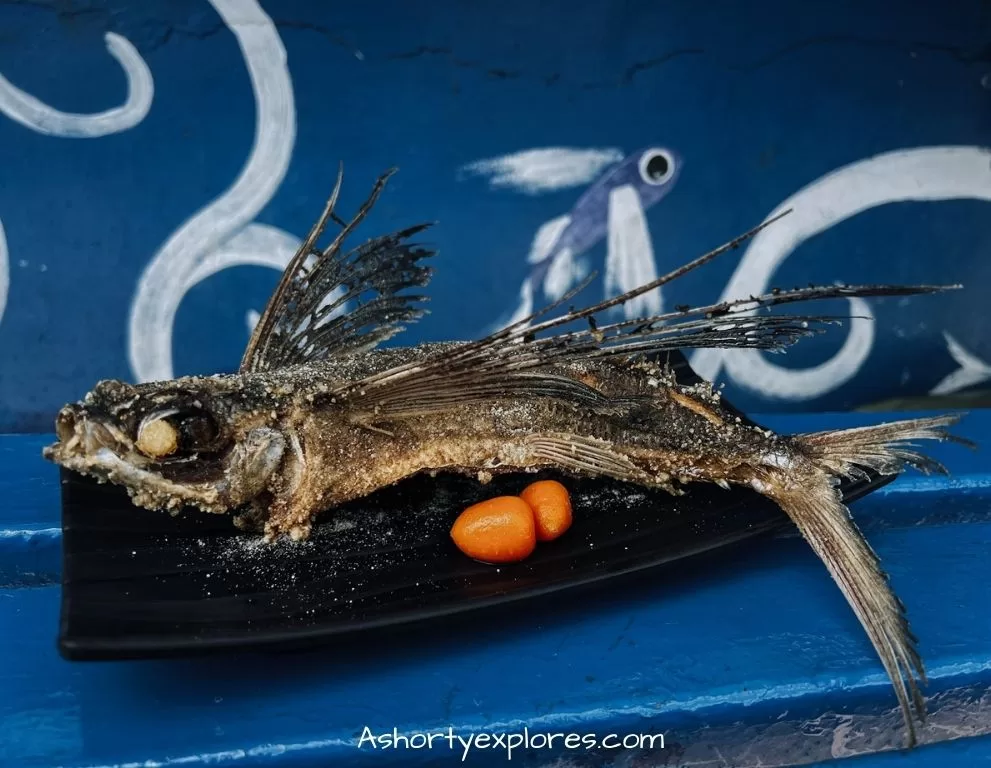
332, 302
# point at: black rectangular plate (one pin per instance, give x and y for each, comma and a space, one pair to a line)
142, 584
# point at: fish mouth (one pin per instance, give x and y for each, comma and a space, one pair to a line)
87, 441
88, 444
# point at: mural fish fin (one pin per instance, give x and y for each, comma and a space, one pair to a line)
542, 257
516, 358
251, 318
306, 320
564, 273
525, 307
540, 170
551, 261
629, 253
547, 238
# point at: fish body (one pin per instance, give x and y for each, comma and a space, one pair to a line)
322, 453
319, 415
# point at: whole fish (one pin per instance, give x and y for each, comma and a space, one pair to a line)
317, 416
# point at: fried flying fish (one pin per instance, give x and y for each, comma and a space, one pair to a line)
317, 415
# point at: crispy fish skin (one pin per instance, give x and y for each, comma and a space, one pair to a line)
654, 430
318, 415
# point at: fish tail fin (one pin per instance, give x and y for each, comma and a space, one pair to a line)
885, 448
812, 499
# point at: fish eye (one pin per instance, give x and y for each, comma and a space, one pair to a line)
175, 432
157, 438
656, 166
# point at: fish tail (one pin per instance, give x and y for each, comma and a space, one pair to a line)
812, 500
884, 448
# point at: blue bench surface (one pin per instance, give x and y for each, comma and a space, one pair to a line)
758, 662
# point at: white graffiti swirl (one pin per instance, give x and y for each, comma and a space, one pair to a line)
221, 234
921, 174
32, 113
257, 245
40, 117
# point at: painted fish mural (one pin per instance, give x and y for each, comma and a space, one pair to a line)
612, 208
622, 194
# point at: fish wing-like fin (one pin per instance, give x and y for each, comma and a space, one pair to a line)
497, 361
418, 398
457, 378
307, 317
587, 456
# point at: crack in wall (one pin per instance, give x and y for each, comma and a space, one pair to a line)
325, 32
499, 73
959, 53
64, 10
641, 66
169, 30
549, 79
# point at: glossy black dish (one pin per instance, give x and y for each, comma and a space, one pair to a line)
143, 584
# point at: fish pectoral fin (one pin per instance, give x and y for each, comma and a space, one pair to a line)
440, 392
498, 359
814, 506
588, 456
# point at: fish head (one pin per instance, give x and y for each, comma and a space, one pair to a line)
187, 442
652, 171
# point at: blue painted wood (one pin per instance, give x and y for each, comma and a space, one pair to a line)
756, 110
760, 660
30, 536
959, 752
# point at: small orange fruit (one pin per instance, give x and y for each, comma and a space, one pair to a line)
551, 507
499, 530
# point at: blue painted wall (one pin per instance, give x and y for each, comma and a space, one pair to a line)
755, 108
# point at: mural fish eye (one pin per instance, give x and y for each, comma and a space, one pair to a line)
656, 166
